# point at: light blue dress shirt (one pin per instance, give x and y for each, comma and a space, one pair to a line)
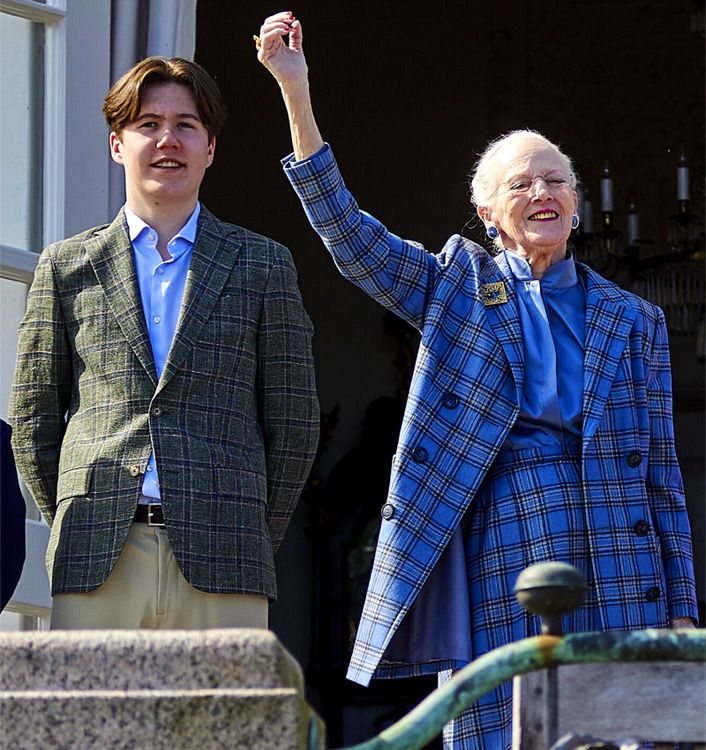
161, 284
552, 317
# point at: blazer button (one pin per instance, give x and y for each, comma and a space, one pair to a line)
635, 459
134, 470
653, 593
450, 400
642, 528
388, 510
156, 411
420, 455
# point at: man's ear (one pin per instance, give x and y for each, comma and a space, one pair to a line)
211, 151
116, 148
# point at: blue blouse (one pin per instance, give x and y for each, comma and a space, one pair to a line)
552, 316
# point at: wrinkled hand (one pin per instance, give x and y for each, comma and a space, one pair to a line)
682, 622
285, 61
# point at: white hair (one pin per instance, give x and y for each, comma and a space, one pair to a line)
483, 178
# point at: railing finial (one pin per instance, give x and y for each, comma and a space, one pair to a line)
550, 590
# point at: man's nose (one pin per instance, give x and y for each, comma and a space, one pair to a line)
167, 138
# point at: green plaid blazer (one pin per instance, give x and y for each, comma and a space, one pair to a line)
233, 420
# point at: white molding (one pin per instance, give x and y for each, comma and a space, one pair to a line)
54, 131
32, 595
49, 13
17, 264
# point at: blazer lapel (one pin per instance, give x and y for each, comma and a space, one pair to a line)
215, 250
110, 254
608, 325
497, 282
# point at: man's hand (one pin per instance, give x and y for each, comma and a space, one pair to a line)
682, 622
285, 61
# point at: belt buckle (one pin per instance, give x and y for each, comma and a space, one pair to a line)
151, 512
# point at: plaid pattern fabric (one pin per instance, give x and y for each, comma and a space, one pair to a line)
465, 396
233, 421
529, 509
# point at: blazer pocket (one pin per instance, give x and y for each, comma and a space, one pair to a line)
74, 483
242, 482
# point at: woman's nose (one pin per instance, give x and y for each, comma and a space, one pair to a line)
540, 189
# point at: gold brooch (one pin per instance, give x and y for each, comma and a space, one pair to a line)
493, 294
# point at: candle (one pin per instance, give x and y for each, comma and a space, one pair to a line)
682, 180
633, 224
587, 217
606, 190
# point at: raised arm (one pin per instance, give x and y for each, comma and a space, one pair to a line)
287, 64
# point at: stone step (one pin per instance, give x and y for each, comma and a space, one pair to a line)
251, 719
154, 690
142, 659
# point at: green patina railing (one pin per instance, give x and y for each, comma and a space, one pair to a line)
548, 599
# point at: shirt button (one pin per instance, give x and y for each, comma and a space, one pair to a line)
150, 237
653, 594
635, 459
388, 510
642, 528
420, 455
160, 270
156, 411
134, 470
157, 319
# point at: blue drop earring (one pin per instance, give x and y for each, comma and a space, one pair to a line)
574, 221
492, 232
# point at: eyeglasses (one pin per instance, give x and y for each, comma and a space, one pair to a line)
525, 184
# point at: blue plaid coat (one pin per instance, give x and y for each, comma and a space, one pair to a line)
465, 397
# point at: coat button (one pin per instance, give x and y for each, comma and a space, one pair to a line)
635, 459
134, 470
388, 510
156, 411
450, 400
642, 528
653, 593
420, 455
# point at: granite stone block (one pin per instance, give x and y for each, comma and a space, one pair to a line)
236, 688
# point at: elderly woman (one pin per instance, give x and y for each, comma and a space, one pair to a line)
538, 425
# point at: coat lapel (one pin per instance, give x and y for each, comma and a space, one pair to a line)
215, 250
110, 254
503, 316
608, 325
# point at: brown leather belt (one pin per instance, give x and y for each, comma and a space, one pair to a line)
149, 514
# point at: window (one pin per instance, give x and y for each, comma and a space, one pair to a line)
32, 86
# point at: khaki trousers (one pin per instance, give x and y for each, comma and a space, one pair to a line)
146, 589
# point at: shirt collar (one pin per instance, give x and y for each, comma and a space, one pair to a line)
136, 226
559, 275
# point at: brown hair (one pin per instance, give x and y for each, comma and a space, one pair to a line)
122, 103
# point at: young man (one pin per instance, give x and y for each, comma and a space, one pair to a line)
164, 408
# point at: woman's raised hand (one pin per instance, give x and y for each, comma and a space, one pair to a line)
285, 61
287, 64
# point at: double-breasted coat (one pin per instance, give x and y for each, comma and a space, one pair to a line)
232, 422
465, 397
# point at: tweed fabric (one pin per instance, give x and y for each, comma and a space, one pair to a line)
232, 421
464, 398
